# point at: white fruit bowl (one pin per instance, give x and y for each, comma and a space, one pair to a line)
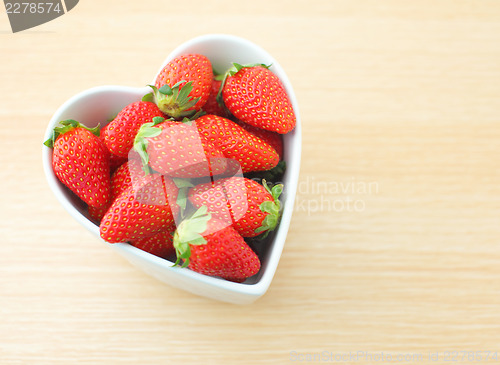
98, 104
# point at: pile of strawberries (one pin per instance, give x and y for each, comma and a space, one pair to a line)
182, 173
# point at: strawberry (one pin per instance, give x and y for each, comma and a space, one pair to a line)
144, 209
274, 139
176, 149
122, 179
183, 86
120, 132
161, 244
210, 247
114, 160
212, 106
81, 161
250, 207
255, 95
251, 152
96, 214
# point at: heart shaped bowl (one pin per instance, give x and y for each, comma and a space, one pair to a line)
98, 104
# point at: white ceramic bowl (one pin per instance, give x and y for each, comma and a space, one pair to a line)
96, 105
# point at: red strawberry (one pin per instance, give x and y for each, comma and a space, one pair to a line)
251, 152
183, 85
209, 247
120, 132
125, 176
272, 138
250, 207
176, 149
96, 214
255, 95
81, 162
160, 244
114, 160
212, 106
146, 208
121, 180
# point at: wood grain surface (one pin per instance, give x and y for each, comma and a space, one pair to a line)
393, 252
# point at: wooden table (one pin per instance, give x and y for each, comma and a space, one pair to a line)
393, 252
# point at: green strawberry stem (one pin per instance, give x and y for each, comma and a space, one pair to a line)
147, 130
273, 208
175, 101
189, 233
67, 125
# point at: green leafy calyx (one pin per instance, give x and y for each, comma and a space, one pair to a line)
272, 208
147, 130
175, 101
237, 67
189, 232
66, 126
182, 196
148, 97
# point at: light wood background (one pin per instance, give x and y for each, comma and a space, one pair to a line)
394, 243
